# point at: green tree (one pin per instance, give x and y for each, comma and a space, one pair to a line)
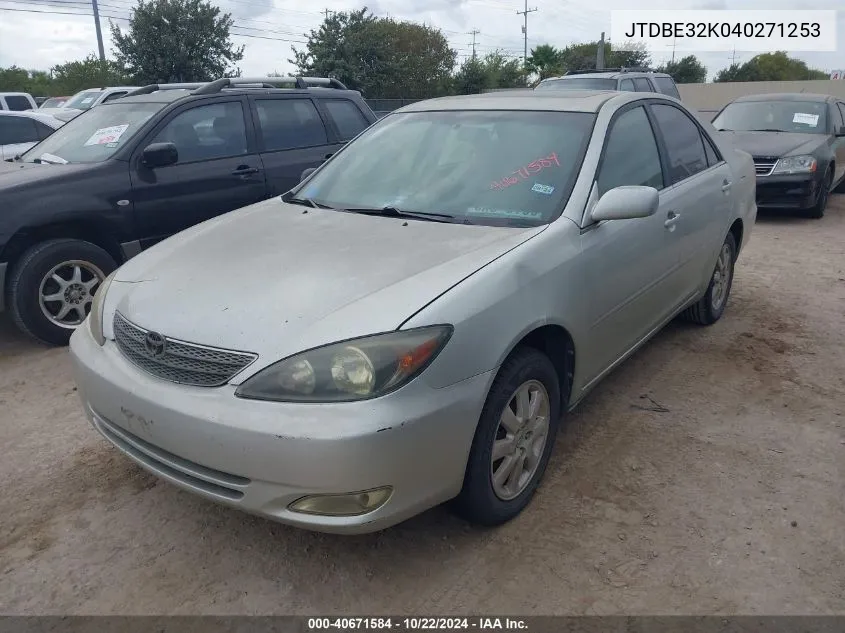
471, 78
381, 57
14, 79
777, 66
502, 71
176, 41
583, 56
90, 72
545, 60
687, 70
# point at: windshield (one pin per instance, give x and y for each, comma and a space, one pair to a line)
53, 103
809, 117
83, 100
94, 136
578, 83
482, 167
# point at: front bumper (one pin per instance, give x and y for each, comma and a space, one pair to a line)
2, 286
796, 191
261, 456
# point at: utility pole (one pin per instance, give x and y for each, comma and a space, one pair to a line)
327, 11
525, 31
474, 32
600, 53
674, 41
733, 57
99, 32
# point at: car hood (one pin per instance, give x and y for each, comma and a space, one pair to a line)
14, 175
275, 279
775, 143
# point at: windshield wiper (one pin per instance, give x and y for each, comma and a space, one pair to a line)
50, 159
724, 129
308, 202
400, 213
768, 129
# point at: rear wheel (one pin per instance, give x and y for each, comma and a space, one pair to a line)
710, 307
513, 441
52, 286
817, 210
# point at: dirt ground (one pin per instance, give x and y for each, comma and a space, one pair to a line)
706, 475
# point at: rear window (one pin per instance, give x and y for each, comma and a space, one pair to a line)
578, 83
18, 103
347, 118
83, 100
667, 86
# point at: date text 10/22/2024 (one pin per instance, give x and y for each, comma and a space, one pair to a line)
418, 624
523, 173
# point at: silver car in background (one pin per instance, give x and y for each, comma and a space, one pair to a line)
409, 325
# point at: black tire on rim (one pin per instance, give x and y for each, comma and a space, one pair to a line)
711, 306
52, 285
817, 210
511, 427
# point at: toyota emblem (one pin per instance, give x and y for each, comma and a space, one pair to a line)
155, 344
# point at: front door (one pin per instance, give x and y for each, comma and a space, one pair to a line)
291, 137
630, 265
218, 169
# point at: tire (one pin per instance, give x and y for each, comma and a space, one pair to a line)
32, 277
817, 210
479, 502
708, 309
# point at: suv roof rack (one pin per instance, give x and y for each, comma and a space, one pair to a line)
267, 82
631, 69
145, 90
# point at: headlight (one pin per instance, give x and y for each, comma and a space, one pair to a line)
795, 165
358, 369
95, 317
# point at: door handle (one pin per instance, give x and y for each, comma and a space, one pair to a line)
328, 156
726, 185
245, 170
671, 219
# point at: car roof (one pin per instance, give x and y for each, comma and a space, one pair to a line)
612, 74
39, 116
15, 94
787, 96
169, 95
562, 101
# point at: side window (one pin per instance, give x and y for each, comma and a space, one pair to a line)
627, 85
620, 166
841, 114
17, 129
712, 155
643, 85
113, 96
290, 124
18, 102
347, 117
667, 86
683, 141
43, 130
207, 132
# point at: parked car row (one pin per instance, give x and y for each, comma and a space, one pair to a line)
283, 303
408, 323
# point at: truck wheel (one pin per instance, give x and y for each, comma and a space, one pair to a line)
52, 286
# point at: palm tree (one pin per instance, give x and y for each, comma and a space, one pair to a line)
545, 60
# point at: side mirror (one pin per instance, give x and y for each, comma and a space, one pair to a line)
840, 131
307, 173
626, 203
159, 155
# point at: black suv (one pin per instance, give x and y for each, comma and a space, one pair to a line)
627, 79
131, 172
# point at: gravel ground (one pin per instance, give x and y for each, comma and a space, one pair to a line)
706, 475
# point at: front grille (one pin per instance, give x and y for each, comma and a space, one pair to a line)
764, 165
182, 362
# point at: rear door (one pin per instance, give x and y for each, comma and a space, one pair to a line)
700, 190
345, 117
218, 169
17, 134
642, 84
291, 137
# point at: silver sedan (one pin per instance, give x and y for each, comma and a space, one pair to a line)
409, 325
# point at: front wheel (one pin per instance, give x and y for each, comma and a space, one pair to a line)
513, 441
52, 286
710, 307
817, 210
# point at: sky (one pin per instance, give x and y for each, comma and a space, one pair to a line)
38, 34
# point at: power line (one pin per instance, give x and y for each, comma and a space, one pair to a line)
474, 32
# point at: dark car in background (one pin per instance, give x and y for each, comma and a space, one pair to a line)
133, 171
798, 145
625, 79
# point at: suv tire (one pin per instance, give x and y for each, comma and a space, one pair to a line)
52, 285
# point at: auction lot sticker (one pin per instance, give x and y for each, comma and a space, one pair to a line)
107, 135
